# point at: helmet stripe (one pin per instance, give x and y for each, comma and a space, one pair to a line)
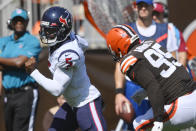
126, 29
130, 28
129, 31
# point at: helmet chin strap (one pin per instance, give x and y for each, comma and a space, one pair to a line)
53, 42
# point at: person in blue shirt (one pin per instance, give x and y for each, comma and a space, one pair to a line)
21, 94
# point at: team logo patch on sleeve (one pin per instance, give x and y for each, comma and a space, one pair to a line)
126, 63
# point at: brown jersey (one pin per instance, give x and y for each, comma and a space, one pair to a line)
152, 67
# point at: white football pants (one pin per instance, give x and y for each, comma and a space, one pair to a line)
182, 111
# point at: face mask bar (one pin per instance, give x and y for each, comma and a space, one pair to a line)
48, 35
114, 55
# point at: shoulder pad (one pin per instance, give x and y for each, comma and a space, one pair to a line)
68, 59
127, 62
83, 44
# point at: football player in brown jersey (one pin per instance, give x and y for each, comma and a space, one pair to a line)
168, 86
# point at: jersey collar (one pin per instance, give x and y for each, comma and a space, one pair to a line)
22, 38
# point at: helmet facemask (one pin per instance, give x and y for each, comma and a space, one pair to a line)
115, 56
48, 35
51, 35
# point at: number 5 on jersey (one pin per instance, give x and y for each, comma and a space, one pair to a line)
68, 62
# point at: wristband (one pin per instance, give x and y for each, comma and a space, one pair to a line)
119, 90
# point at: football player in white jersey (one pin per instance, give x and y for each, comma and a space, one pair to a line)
67, 64
170, 89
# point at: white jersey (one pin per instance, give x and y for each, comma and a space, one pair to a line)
67, 64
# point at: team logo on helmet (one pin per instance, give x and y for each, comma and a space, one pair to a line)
64, 21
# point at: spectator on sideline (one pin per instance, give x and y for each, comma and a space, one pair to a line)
158, 16
21, 94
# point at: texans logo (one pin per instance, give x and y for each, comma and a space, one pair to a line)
64, 21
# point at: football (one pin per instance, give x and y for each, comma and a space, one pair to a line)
128, 113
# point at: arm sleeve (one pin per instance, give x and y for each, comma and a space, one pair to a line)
146, 79
58, 84
82, 43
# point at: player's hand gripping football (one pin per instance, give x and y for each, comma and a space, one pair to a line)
30, 65
120, 99
158, 126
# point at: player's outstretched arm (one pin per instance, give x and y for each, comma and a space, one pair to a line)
56, 85
61, 78
120, 99
119, 77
